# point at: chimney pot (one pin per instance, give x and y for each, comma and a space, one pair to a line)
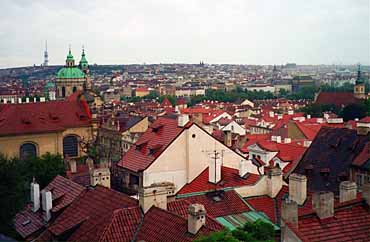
298, 188
214, 170
347, 191
47, 204
35, 196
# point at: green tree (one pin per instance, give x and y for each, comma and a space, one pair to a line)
317, 110
16, 175
352, 111
257, 232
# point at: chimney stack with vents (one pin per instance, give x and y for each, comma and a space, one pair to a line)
47, 204
196, 217
298, 188
323, 204
154, 195
347, 191
35, 196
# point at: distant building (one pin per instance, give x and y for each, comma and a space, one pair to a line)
298, 82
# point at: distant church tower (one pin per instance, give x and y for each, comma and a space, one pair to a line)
359, 89
46, 55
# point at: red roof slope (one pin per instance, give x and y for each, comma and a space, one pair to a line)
351, 223
92, 211
161, 225
336, 98
123, 226
229, 178
151, 144
228, 203
29, 118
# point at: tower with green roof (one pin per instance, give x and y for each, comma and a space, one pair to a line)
72, 78
359, 88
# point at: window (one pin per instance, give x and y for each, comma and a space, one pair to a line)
63, 91
70, 146
28, 150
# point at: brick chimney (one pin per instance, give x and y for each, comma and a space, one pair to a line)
289, 212
298, 188
228, 138
274, 181
47, 204
366, 192
347, 191
323, 204
35, 196
196, 217
153, 195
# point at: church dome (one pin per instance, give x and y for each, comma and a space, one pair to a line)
70, 73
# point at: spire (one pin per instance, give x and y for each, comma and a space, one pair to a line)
359, 79
70, 60
84, 65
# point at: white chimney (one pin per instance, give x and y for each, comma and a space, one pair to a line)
278, 139
35, 196
271, 114
298, 188
347, 191
42, 99
5, 100
273, 138
182, 120
47, 204
242, 168
308, 116
287, 140
215, 168
307, 143
27, 99
19, 100
12, 100
196, 217
153, 195
323, 204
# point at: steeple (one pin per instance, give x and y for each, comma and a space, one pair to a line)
359, 78
70, 61
359, 88
84, 65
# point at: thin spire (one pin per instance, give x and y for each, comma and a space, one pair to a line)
83, 50
69, 48
46, 45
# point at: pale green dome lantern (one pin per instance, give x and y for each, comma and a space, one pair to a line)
70, 71
84, 64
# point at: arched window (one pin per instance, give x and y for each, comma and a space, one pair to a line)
63, 91
70, 146
27, 150
74, 89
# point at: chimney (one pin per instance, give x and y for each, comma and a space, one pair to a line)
100, 176
19, 100
196, 217
228, 138
366, 192
153, 195
290, 112
278, 139
242, 168
182, 120
271, 114
35, 196
90, 164
347, 191
289, 212
47, 204
323, 204
307, 143
12, 100
308, 116
214, 170
27, 99
42, 99
298, 188
72, 165
274, 181
287, 140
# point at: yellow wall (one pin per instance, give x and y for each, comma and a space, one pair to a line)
47, 142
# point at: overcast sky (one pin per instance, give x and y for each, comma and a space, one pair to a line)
186, 31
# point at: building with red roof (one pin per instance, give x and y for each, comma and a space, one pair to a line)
339, 99
37, 128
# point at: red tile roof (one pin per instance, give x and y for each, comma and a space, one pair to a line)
264, 204
351, 223
229, 178
64, 192
160, 134
90, 213
41, 117
337, 98
229, 203
166, 103
162, 225
123, 225
181, 206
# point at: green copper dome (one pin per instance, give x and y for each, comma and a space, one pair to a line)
70, 72
83, 62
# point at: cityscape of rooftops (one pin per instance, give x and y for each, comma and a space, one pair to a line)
174, 120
